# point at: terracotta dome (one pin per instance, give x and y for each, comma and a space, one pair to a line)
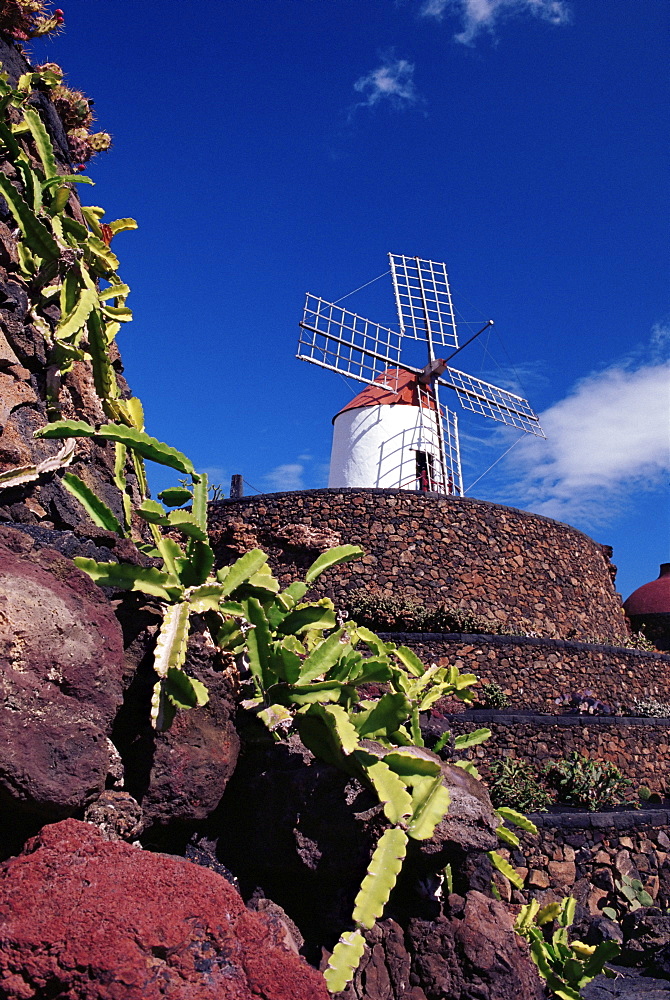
405, 391
652, 598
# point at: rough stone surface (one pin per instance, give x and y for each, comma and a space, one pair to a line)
647, 939
177, 776
472, 953
25, 371
496, 561
470, 822
639, 747
305, 833
628, 985
86, 919
533, 672
116, 814
61, 681
301, 830
583, 854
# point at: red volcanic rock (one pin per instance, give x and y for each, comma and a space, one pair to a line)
61, 680
87, 919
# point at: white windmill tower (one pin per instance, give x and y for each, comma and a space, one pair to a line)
396, 433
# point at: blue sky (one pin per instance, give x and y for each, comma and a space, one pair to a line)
272, 147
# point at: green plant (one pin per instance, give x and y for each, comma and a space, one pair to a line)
515, 786
303, 670
507, 815
565, 965
583, 703
396, 613
385, 612
76, 112
635, 640
649, 707
492, 696
630, 894
580, 781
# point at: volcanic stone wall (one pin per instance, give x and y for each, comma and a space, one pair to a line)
505, 564
639, 747
534, 672
583, 855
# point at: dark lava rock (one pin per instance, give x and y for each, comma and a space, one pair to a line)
473, 953
305, 833
88, 919
116, 814
646, 934
301, 829
469, 953
630, 984
177, 776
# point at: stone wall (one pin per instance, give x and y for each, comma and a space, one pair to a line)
584, 855
639, 747
506, 564
534, 672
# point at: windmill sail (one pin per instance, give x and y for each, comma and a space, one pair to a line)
491, 401
423, 300
342, 341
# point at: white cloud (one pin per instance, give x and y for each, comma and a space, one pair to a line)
286, 477
478, 15
606, 440
393, 81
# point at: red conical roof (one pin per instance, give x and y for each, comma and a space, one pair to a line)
406, 393
652, 598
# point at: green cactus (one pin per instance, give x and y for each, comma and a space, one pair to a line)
565, 965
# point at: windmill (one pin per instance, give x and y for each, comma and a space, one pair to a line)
396, 432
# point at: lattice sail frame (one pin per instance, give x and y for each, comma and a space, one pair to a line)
423, 301
343, 341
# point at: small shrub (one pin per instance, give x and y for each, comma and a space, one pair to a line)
395, 613
635, 641
386, 612
638, 640
645, 794
515, 785
566, 965
649, 708
25, 19
630, 895
492, 696
583, 703
580, 781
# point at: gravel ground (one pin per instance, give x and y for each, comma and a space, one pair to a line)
629, 985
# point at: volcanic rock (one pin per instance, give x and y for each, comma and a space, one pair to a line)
177, 776
61, 680
88, 919
469, 953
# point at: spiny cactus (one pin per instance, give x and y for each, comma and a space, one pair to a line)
25, 19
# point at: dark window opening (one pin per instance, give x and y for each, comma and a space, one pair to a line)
424, 471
